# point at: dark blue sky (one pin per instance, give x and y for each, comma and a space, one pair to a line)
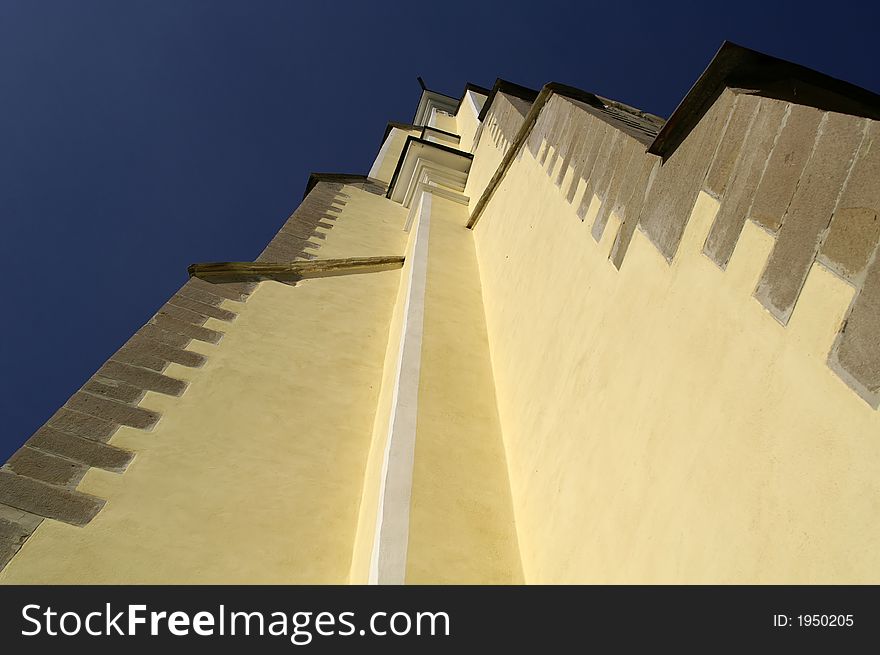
139, 137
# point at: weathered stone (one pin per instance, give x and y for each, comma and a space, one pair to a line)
625, 176
670, 201
276, 253
809, 214
580, 122
377, 189
790, 153
554, 112
629, 158
154, 332
10, 530
195, 293
857, 351
585, 155
514, 112
489, 128
136, 357
201, 308
25, 521
78, 449
282, 250
231, 291
536, 134
141, 345
855, 226
598, 168
187, 329
143, 378
740, 188
47, 500
730, 147
43, 466
851, 241
291, 240
101, 386
110, 410
632, 207
8, 549
612, 161
292, 235
182, 314
15, 527
560, 138
82, 425
518, 105
634, 181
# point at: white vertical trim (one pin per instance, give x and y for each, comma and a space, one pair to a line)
383, 152
473, 104
388, 560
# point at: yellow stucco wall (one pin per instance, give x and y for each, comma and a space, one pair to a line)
389, 153
487, 158
442, 121
466, 121
254, 474
575, 423
461, 521
372, 477
659, 424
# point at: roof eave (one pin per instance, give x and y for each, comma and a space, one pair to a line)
735, 66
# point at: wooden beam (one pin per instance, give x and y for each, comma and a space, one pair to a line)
291, 271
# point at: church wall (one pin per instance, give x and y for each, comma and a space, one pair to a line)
466, 120
494, 138
389, 154
461, 520
442, 121
368, 511
254, 472
662, 421
634, 369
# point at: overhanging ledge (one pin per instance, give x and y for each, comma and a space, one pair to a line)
735, 66
448, 163
219, 272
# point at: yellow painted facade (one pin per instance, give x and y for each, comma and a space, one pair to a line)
507, 407
487, 158
372, 478
461, 496
443, 121
467, 121
255, 474
383, 168
692, 438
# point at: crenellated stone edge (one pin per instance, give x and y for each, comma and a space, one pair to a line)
809, 177
39, 481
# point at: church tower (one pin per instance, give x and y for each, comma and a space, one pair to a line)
547, 338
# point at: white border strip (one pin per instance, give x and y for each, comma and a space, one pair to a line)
380, 158
388, 560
